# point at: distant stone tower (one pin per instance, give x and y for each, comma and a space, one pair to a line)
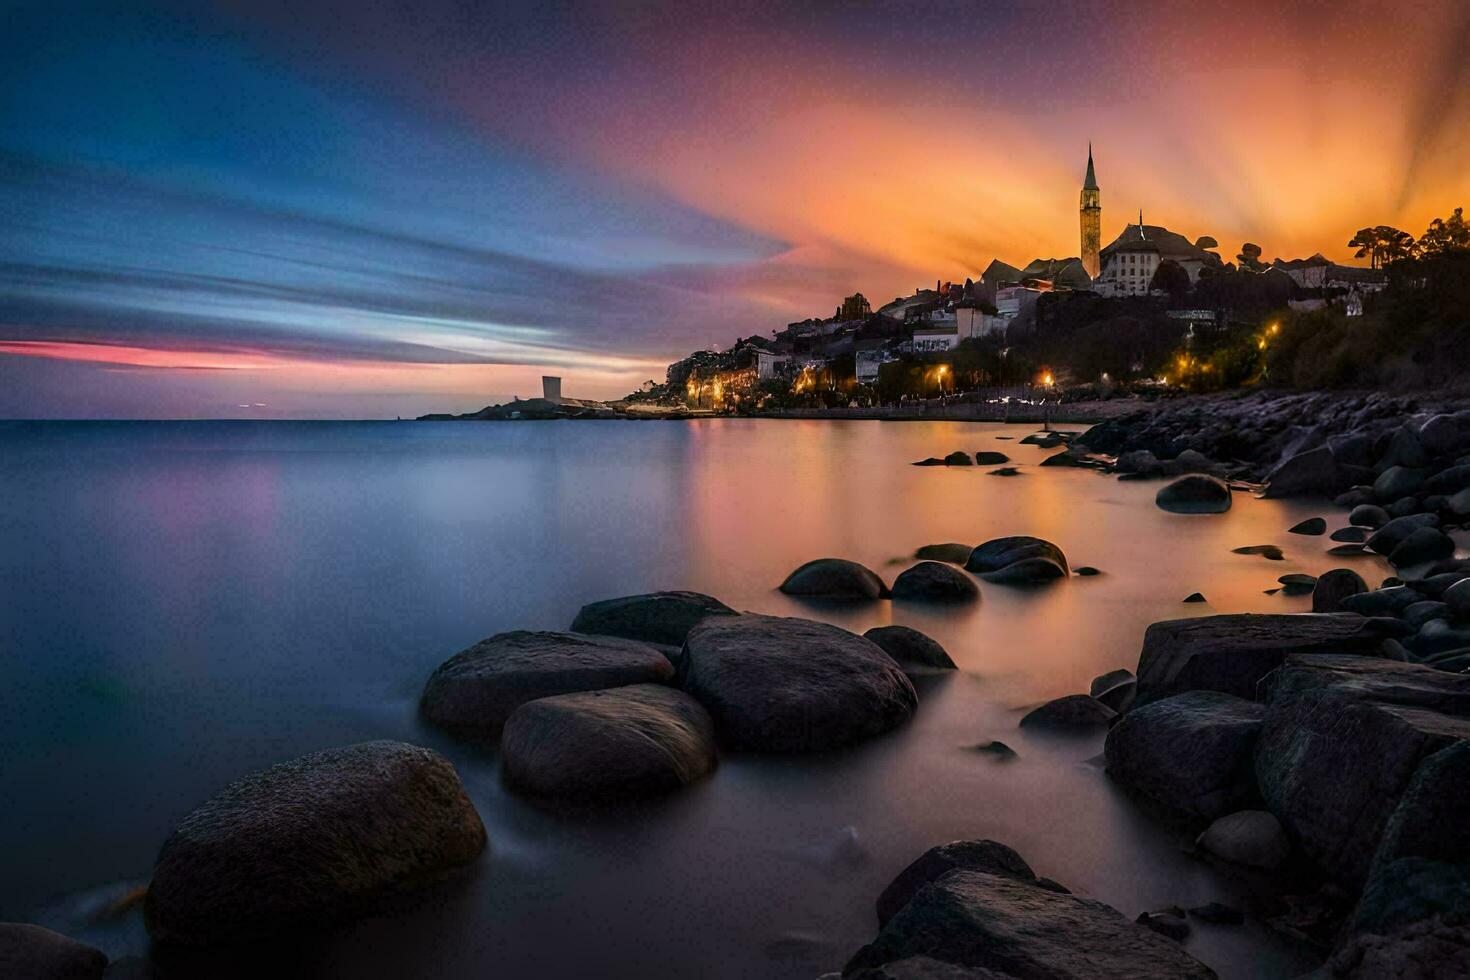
1091, 209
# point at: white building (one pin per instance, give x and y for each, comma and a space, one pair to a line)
768, 364
1129, 263
936, 337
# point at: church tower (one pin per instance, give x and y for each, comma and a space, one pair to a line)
1091, 210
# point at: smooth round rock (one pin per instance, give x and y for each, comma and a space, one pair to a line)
1253, 838
933, 581
1351, 534
477, 689
953, 552
1196, 493
1312, 525
1073, 713
835, 578
991, 458
991, 857
910, 648
1333, 587
1457, 597
791, 685
1018, 560
657, 617
311, 842
1422, 545
30, 952
1368, 515
639, 740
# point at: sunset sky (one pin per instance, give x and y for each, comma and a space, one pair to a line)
377, 208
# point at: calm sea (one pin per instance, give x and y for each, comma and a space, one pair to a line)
182, 603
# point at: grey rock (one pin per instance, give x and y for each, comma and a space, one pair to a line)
1422, 545
1405, 449
1139, 461
476, 690
1073, 713
1368, 515
1382, 602
1459, 503
910, 648
1457, 597
791, 685
1396, 482
933, 581
1027, 571
1194, 494
1423, 612
639, 740
1392, 534
1450, 480
975, 919
1333, 587
1403, 507
1253, 838
1446, 434
1315, 471
1116, 689
1192, 752
970, 855
30, 952
311, 842
657, 617
835, 578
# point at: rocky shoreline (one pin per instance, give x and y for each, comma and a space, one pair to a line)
1327, 754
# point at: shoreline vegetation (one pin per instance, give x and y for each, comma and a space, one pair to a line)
1322, 758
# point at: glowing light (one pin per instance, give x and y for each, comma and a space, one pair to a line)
1046, 379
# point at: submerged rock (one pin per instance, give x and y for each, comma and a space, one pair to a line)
1270, 552
835, 578
30, 952
958, 458
952, 552
1191, 752
1075, 712
991, 458
1194, 494
1195, 597
989, 856
1368, 515
988, 921
791, 685
310, 842
1355, 535
477, 689
933, 581
1005, 471
910, 648
1312, 525
658, 617
1018, 560
630, 741
1297, 583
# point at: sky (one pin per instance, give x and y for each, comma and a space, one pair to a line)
383, 208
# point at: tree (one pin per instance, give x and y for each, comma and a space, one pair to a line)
1250, 257
1444, 234
1382, 245
1172, 279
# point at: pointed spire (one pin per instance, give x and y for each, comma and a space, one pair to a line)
1140, 224
1090, 184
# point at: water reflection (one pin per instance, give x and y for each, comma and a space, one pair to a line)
180, 604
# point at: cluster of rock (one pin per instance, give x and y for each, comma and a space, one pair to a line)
1308, 739
962, 458
1015, 560
974, 910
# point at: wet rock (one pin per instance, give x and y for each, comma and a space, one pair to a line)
1194, 494
1046, 440
1353, 534
476, 690
1116, 689
1297, 584
1018, 560
1190, 461
1382, 602
952, 552
1316, 471
1005, 471
958, 458
989, 921
910, 648
996, 748
1355, 497
1086, 571
930, 461
1352, 448
310, 842
1335, 586
791, 685
1073, 713
835, 578
1421, 613
989, 856
1368, 515
1422, 545
1138, 461
1392, 534
1438, 637
1403, 507
1217, 913
1446, 434
1348, 551
1195, 597
1253, 838
29, 952
1191, 752
1312, 525
1397, 482
991, 458
1457, 597
658, 617
1270, 552
933, 581
1459, 504
1405, 450
1450, 480
639, 740
1170, 922
1440, 583
1232, 653
1341, 739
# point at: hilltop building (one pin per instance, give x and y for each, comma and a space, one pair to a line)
1130, 261
1091, 219
854, 307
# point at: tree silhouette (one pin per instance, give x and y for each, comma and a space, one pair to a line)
1171, 278
1382, 245
1250, 257
1444, 234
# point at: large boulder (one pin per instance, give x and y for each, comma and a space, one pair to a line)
989, 856
1341, 739
1018, 560
1392, 534
658, 617
1397, 482
1192, 752
477, 689
1446, 435
1314, 471
835, 578
934, 581
989, 921
1422, 545
1333, 587
630, 741
910, 648
30, 952
952, 552
1231, 653
1253, 838
1194, 494
1381, 602
310, 842
1450, 480
792, 685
